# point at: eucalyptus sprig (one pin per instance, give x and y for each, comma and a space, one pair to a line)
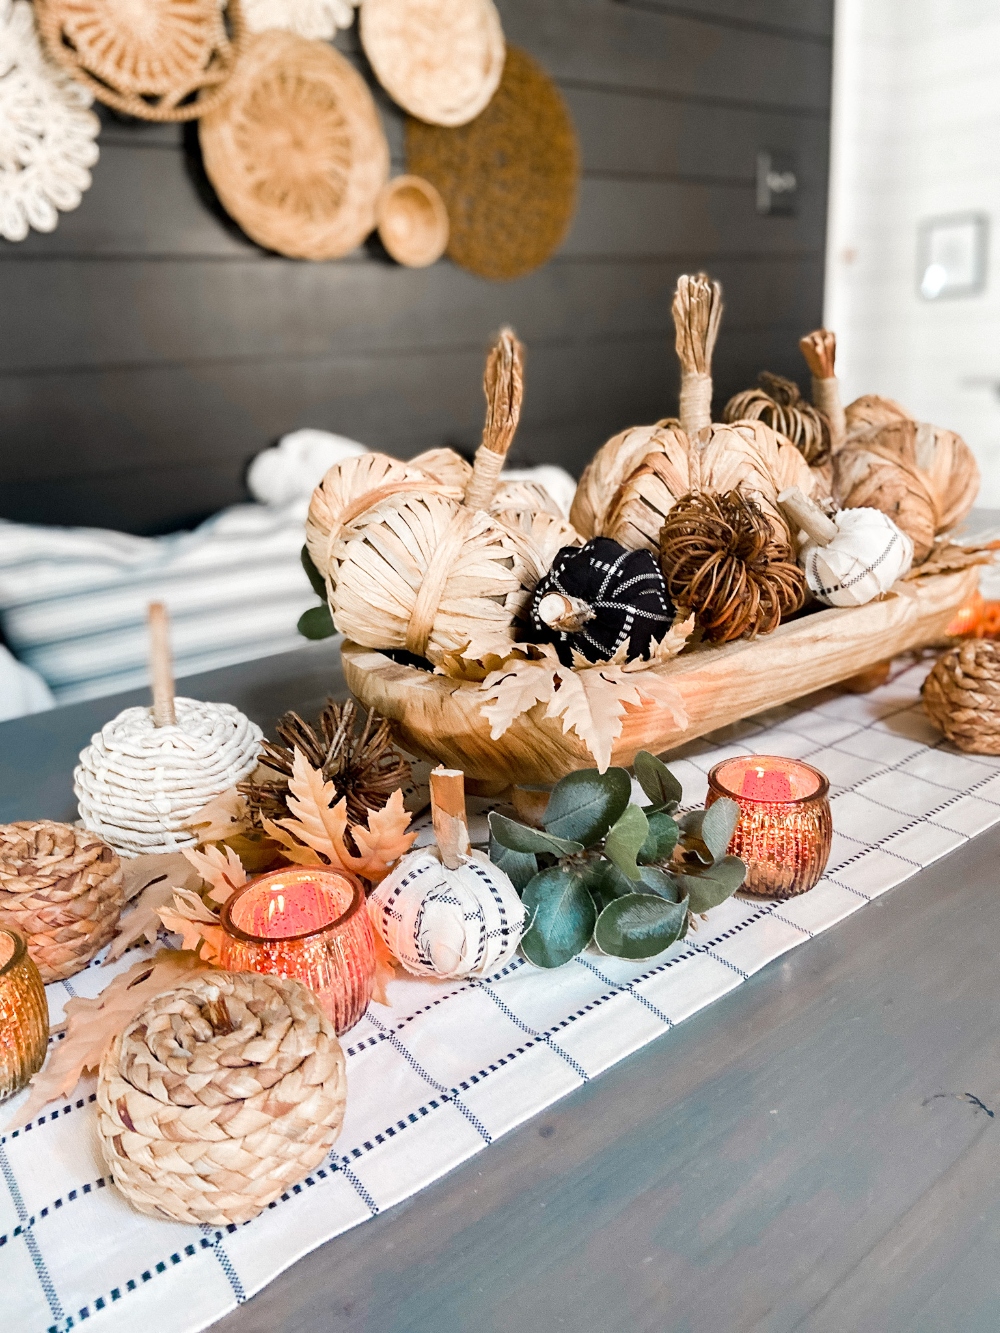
601, 868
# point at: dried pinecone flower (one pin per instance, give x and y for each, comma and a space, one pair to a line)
722, 561
363, 766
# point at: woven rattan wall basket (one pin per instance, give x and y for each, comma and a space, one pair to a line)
440, 60
164, 60
412, 221
509, 179
297, 153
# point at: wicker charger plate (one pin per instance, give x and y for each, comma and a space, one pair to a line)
165, 60
297, 153
412, 221
509, 179
440, 60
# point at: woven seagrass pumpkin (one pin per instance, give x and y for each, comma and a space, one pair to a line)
961, 696
219, 1096
448, 911
61, 887
163, 60
777, 402
636, 477
599, 597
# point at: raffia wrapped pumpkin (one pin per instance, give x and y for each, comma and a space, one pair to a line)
636, 477
926, 479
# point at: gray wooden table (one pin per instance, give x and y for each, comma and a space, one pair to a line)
818, 1151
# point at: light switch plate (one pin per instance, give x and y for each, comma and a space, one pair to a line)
777, 183
951, 255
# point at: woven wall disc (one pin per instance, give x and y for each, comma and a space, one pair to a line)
164, 60
296, 152
412, 221
440, 60
509, 179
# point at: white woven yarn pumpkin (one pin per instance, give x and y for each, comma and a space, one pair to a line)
448, 923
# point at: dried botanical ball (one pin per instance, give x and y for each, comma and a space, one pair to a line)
722, 561
598, 597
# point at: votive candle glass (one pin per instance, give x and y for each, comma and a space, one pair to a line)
24, 1014
310, 924
785, 827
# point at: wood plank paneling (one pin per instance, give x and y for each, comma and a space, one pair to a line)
148, 348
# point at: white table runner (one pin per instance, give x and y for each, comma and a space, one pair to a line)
450, 1067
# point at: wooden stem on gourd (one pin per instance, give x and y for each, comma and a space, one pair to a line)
503, 384
697, 310
451, 828
820, 351
803, 514
160, 666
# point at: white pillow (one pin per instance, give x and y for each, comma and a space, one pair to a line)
297, 464
21, 689
73, 600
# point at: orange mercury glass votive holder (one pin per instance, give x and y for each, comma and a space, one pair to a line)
785, 827
24, 1014
310, 924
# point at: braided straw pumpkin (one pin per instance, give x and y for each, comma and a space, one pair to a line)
722, 561
163, 60
636, 477
926, 479
220, 1095
61, 887
420, 570
961, 696
778, 403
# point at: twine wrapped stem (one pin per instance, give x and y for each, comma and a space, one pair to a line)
820, 351
697, 311
503, 384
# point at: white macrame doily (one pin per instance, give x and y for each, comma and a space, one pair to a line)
138, 784
308, 18
448, 923
47, 134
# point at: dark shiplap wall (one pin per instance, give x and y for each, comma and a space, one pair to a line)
148, 349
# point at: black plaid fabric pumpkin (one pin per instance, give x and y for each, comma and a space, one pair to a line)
605, 596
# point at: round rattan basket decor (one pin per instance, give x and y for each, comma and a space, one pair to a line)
412, 221
509, 179
440, 60
296, 153
157, 60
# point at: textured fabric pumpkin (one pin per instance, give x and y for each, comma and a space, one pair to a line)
597, 598
448, 923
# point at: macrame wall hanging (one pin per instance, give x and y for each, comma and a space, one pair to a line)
296, 152
309, 18
509, 178
47, 134
164, 60
441, 60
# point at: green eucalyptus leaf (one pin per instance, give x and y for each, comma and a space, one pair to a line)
640, 925
313, 574
662, 882
562, 915
519, 838
719, 825
316, 623
692, 843
715, 884
626, 839
656, 780
660, 840
520, 867
584, 805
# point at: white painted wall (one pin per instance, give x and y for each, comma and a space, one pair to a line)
916, 134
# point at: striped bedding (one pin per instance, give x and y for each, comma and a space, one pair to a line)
73, 600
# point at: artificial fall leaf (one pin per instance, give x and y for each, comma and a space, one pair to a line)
221, 817
150, 881
224, 872
459, 667
315, 835
92, 1024
198, 926
589, 698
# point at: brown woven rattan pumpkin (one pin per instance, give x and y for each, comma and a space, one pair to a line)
297, 153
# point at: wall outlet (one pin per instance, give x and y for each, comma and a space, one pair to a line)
777, 183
